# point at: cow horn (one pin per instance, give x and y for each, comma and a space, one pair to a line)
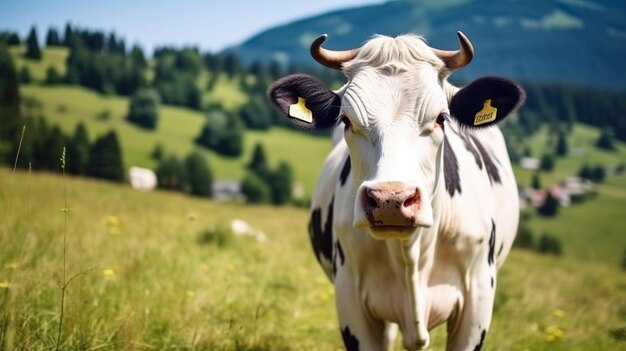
329, 58
460, 58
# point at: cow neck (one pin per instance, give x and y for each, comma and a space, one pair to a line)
416, 325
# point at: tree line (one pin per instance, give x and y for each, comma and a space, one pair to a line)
104, 63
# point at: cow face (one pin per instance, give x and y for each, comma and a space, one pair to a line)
394, 109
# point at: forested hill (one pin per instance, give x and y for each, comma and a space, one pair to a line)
581, 42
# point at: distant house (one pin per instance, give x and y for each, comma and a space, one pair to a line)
227, 191
565, 193
530, 163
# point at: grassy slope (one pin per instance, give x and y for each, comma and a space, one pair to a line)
51, 57
581, 150
592, 231
67, 105
167, 291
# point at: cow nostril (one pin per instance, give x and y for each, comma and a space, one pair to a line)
369, 200
413, 199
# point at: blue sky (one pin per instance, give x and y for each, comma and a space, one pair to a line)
210, 25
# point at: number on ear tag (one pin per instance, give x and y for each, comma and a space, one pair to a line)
486, 115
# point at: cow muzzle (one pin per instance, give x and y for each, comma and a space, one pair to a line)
393, 209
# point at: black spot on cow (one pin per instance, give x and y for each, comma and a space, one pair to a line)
492, 282
345, 172
450, 169
500, 249
479, 346
492, 244
351, 342
490, 166
470, 147
322, 238
338, 257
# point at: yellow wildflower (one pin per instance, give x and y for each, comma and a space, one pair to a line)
112, 221
108, 273
553, 333
114, 230
4, 284
11, 265
558, 313
190, 293
323, 295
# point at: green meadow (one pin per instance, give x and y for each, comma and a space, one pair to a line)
144, 276
178, 127
581, 150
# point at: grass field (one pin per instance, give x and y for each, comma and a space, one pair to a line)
51, 57
150, 283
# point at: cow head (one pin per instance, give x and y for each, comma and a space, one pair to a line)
394, 110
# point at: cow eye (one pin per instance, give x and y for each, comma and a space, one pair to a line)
441, 118
346, 122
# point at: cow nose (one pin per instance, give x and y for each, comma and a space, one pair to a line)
391, 204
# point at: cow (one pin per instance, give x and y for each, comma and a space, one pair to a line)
416, 207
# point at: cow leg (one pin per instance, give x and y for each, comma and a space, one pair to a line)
469, 325
360, 330
391, 332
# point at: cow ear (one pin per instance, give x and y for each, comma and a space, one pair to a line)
486, 101
306, 102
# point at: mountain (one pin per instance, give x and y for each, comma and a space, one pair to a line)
580, 42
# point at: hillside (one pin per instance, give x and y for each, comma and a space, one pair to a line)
152, 283
580, 42
178, 127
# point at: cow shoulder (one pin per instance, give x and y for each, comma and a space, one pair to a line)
332, 178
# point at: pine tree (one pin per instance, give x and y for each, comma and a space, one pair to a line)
78, 151
606, 141
25, 76
258, 162
68, 37
9, 85
280, 184
144, 108
585, 172
199, 175
157, 153
171, 174
52, 38
32, 45
561, 144
105, 158
255, 189
53, 148
546, 163
550, 206
9, 105
231, 141
53, 76
536, 181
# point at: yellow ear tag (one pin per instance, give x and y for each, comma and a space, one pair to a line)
300, 111
486, 115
